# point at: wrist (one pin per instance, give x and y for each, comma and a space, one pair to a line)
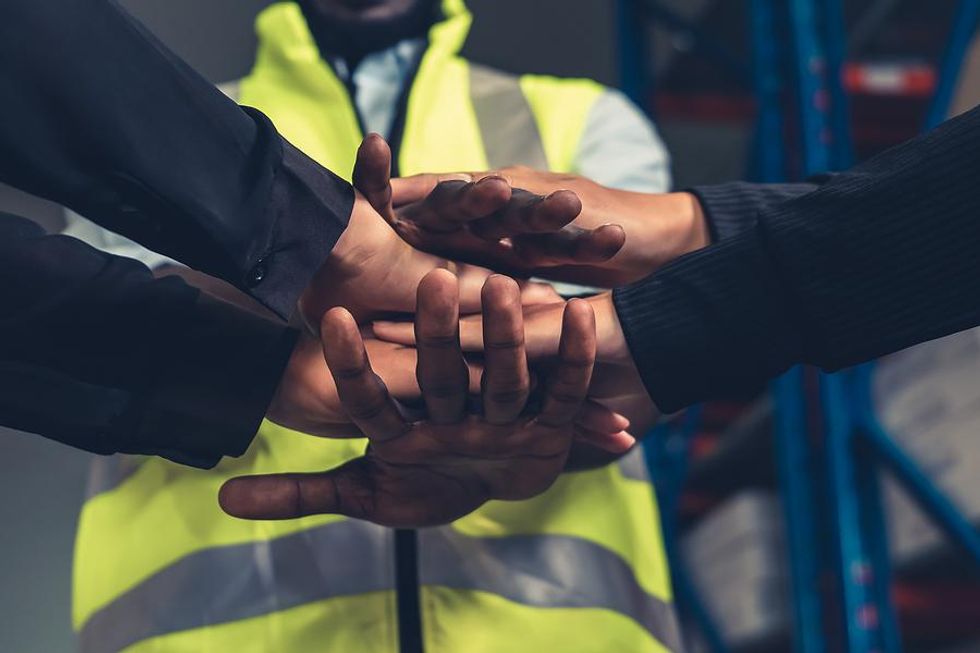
610, 339
683, 227
353, 265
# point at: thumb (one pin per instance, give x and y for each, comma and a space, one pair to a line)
372, 174
346, 490
409, 190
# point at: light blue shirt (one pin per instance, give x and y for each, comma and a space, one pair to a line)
620, 148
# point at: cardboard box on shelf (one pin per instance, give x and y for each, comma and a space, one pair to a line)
928, 399
736, 557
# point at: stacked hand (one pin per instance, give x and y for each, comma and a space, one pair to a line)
439, 466
550, 225
616, 383
437, 469
372, 272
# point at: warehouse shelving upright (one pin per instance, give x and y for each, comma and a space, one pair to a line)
828, 468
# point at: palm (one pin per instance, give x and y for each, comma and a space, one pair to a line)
430, 475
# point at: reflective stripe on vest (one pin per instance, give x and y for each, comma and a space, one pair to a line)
545, 571
225, 584
502, 109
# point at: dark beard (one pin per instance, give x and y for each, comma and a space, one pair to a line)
352, 39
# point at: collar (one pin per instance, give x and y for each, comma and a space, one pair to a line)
285, 39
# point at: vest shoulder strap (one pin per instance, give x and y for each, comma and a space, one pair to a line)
507, 122
562, 107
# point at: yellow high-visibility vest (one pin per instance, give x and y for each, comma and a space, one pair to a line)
160, 569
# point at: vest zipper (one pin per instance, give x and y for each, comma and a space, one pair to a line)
407, 591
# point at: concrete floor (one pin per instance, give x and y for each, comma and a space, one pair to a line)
41, 490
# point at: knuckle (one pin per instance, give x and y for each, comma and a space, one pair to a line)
351, 371
439, 341
370, 409
507, 396
505, 344
442, 390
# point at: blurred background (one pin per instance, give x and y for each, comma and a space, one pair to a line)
780, 535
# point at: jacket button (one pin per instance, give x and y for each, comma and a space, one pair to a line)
257, 274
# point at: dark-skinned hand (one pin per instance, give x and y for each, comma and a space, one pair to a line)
434, 471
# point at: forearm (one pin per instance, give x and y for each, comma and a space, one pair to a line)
96, 353
731, 209
875, 260
112, 124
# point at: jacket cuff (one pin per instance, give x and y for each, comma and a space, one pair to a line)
310, 208
210, 403
732, 209
709, 326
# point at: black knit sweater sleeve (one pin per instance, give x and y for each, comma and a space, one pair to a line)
873, 260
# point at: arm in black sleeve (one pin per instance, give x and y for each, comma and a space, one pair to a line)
731, 209
875, 260
101, 117
96, 353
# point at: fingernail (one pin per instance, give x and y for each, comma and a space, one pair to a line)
627, 440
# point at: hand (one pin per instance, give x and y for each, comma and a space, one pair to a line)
616, 383
372, 271
432, 472
651, 229
485, 222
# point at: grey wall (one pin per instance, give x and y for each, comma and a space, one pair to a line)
41, 483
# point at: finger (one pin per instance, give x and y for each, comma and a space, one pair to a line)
506, 380
408, 190
542, 327
528, 212
596, 417
570, 246
541, 333
441, 370
372, 173
569, 384
617, 443
402, 333
347, 490
452, 204
362, 392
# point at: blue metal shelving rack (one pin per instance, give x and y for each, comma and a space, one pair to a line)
828, 466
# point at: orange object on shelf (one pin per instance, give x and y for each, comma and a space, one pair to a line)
893, 78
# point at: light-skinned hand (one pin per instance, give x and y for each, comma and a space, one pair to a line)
614, 237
